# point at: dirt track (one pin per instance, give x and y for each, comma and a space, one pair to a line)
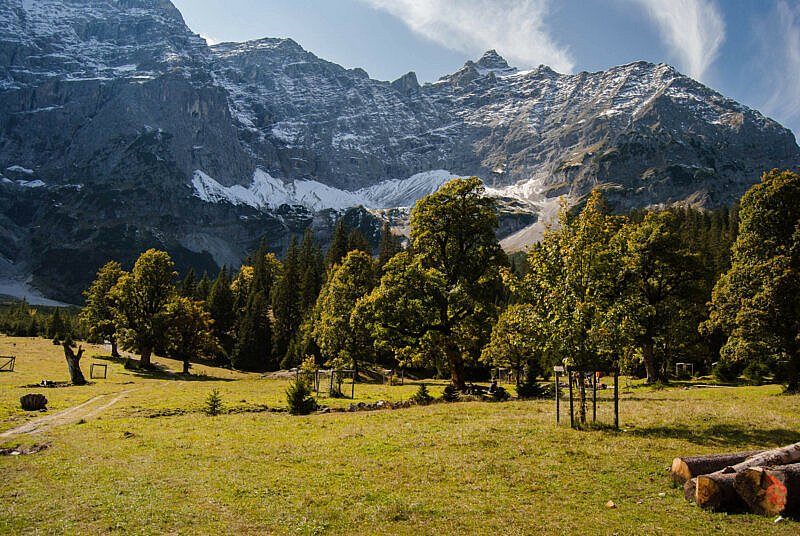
86, 410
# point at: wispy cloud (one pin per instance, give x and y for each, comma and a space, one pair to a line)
781, 55
516, 28
694, 31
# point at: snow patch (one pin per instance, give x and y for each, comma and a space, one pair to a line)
267, 192
19, 169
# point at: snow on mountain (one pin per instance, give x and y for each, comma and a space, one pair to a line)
404, 193
267, 192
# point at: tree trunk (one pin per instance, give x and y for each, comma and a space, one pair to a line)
456, 363
73, 363
144, 360
582, 391
186, 365
649, 357
711, 491
771, 491
114, 347
684, 469
716, 492
792, 373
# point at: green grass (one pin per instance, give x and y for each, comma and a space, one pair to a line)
472, 467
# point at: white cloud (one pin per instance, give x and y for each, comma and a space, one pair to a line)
781, 50
694, 30
210, 40
516, 28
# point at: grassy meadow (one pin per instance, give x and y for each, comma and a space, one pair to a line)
152, 463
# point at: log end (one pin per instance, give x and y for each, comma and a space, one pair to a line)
680, 472
689, 489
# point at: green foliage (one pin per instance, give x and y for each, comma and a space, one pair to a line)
299, 399
519, 338
727, 371
220, 305
500, 394
422, 396
661, 284
98, 313
388, 247
189, 332
440, 298
450, 393
286, 306
756, 303
140, 301
213, 403
253, 348
341, 337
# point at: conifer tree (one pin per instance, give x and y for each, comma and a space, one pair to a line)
253, 349
203, 288
389, 246
356, 241
189, 284
220, 305
286, 306
338, 247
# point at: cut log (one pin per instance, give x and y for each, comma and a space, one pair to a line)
687, 468
689, 489
716, 492
771, 491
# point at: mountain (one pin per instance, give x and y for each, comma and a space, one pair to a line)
120, 129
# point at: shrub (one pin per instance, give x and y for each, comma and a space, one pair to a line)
450, 394
727, 371
532, 389
299, 398
422, 396
213, 405
500, 394
755, 373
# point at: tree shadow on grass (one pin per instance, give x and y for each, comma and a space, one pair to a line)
159, 372
722, 435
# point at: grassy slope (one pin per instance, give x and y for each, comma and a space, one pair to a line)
447, 468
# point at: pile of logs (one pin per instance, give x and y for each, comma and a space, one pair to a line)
765, 482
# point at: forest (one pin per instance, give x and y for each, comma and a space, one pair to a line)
719, 289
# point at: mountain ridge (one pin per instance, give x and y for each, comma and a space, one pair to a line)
120, 129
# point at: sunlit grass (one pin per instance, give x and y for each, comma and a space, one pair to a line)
470, 467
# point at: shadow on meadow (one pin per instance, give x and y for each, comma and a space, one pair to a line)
722, 434
159, 372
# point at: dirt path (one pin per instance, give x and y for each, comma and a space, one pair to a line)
85, 410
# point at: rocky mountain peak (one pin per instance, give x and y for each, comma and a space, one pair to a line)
492, 60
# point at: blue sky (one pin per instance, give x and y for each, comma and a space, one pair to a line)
746, 49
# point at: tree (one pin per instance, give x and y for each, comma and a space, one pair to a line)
98, 313
440, 299
220, 304
56, 328
189, 334
140, 301
756, 303
389, 246
518, 340
253, 350
661, 282
338, 248
574, 280
74, 362
341, 338
286, 306
189, 285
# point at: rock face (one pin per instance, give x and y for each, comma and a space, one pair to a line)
120, 130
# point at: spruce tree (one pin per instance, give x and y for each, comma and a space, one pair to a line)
253, 349
338, 247
389, 246
220, 305
189, 285
286, 304
203, 288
